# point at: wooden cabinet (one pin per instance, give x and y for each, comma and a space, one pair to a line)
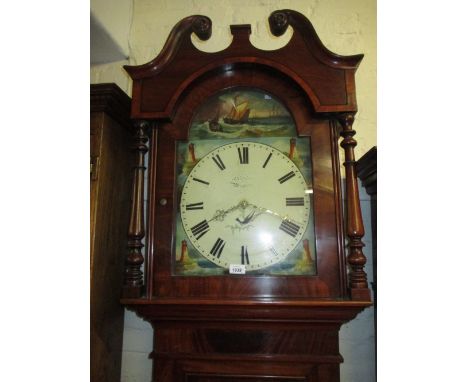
110, 207
366, 168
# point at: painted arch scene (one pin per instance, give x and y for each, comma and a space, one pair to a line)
239, 113
247, 115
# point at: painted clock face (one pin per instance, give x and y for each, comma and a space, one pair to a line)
245, 203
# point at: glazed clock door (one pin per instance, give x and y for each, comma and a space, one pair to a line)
244, 196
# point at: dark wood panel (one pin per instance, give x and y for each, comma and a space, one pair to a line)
110, 211
243, 370
271, 341
242, 378
366, 168
367, 171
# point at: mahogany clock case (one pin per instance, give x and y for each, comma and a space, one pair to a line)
246, 327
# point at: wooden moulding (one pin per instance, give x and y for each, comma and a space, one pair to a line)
112, 100
367, 171
203, 310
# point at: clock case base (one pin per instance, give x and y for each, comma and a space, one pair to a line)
220, 341
279, 329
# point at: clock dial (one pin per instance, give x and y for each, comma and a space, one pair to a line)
245, 203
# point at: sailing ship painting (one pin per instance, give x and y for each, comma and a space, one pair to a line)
241, 113
213, 123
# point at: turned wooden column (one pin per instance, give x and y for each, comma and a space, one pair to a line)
354, 224
133, 281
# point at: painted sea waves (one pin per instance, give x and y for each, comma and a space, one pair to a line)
253, 128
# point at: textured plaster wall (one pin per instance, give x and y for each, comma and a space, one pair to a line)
345, 27
116, 16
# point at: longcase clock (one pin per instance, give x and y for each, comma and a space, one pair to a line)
249, 266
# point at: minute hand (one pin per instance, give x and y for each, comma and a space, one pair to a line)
268, 211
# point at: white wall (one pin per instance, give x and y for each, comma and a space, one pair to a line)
116, 17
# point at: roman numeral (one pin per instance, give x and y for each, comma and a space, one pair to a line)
244, 255
200, 229
295, 201
244, 155
289, 227
286, 177
218, 248
194, 206
267, 160
218, 162
201, 181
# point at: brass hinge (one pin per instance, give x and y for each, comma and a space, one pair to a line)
94, 167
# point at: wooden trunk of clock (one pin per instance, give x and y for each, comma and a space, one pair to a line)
251, 343
194, 112
247, 353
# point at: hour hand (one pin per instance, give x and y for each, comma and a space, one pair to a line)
247, 219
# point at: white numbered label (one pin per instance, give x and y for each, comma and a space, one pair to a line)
235, 269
